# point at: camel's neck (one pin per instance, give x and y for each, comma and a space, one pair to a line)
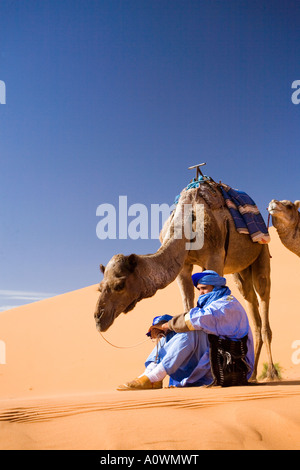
287, 230
290, 236
164, 266
161, 268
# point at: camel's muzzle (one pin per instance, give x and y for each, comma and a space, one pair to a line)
273, 207
103, 321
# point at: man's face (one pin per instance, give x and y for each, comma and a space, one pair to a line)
203, 289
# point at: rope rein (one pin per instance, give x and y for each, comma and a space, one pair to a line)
268, 224
123, 347
129, 347
158, 346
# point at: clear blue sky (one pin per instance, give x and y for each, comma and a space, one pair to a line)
108, 97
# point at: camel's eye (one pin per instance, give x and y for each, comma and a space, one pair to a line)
119, 286
104, 288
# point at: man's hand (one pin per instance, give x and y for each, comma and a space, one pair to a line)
156, 330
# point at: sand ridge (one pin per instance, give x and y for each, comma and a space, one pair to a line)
267, 417
52, 408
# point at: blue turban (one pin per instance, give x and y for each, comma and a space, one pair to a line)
209, 278
160, 319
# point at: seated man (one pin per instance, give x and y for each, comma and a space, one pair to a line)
184, 351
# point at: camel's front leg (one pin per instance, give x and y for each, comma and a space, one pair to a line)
184, 280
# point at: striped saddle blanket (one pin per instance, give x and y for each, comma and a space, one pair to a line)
246, 216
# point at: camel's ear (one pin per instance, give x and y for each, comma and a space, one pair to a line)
297, 204
102, 268
131, 262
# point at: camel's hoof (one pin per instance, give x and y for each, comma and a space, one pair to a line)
253, 378
271, 375
272, 378
252, 381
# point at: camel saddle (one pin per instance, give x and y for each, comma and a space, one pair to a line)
227, 361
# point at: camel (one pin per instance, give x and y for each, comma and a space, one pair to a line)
129, 279
286, 220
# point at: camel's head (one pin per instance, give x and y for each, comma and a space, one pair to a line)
119, 290
284, 213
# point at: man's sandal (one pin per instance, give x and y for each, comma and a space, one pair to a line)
141, 383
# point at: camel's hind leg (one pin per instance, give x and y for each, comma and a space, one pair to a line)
254, 284
262, 284
244, 283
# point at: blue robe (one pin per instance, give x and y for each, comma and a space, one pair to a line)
185, 356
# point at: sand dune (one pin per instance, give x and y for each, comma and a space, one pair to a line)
58, 383
258, 417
